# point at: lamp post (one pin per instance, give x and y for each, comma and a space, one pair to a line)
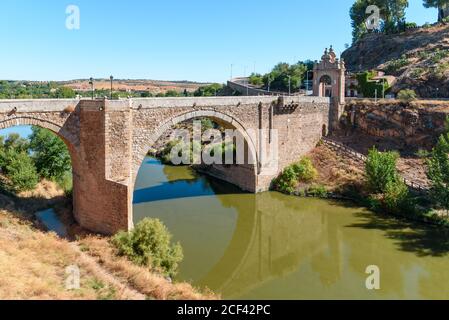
289, 85
307, 84
91, 82
112, 79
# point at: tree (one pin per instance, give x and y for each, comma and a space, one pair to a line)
19, 168
441, 5
209, 90
391, 15
50, 154
438, 172
381, 170
285, 76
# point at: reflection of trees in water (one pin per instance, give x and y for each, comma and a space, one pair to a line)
271, 240
420, 246
275, 234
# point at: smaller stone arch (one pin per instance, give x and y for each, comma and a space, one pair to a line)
325, 86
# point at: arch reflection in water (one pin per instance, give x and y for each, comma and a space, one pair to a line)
271, 246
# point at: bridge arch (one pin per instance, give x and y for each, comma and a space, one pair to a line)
38, 122
219, 117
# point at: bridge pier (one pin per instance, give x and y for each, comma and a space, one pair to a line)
101, 189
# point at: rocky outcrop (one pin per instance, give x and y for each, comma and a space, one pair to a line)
419, 58
413, 124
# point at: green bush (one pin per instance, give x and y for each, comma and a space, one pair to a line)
407, 95
318, 191
149, 245
396, 197
396, 65
305, 170
302, 171
438, 173
381, 170
20, 169
256, 79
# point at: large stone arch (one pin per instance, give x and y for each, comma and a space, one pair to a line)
215, 115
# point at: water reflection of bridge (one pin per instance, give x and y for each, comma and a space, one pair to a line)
271, 241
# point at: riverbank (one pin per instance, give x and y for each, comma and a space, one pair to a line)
34, 261
343, 178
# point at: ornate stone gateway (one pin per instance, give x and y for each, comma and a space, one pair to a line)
329, 81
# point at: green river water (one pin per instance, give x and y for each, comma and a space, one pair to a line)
273, 246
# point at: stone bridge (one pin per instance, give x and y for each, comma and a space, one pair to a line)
108, 140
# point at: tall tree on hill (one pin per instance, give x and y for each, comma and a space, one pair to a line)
391, 15
441, 5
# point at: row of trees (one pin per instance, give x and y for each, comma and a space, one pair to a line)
23, 162
25, 90
283, 77
391, 14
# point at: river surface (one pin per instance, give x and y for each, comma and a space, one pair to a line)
273, 246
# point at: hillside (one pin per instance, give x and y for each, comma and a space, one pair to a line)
419, 58
152, 86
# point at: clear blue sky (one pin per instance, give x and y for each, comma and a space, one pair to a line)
170, 40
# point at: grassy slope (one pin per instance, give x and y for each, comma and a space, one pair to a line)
33, 262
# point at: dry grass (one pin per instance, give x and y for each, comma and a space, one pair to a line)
152, 285
33, 262
33, 265
335, 171
44, 190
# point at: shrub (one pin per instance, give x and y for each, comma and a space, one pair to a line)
20, 169
396, 197
302, 171
396, 65
381, 170
149, 245
407, 95
287, 181
305, 170
256, 79
438, 173
318, 191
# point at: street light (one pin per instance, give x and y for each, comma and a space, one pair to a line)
91, 82
307, 84
112, 79
289, 85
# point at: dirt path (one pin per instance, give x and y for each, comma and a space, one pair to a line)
123, 290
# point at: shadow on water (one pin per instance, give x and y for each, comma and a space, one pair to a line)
182, 183
410, 236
